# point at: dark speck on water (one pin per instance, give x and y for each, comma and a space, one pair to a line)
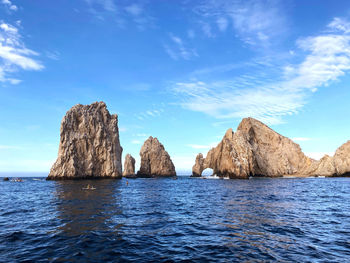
165, 220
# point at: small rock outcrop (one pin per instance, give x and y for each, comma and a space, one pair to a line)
129, 166
155, 161
6, 179
198, 167
89, 144
257, 150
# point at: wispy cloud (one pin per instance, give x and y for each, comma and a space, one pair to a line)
222, 23
255, 22
9, 5
54, 55
134, 9
177, 49
136, 142
149, 114
121, 13
96, 5
14, 55
327, 57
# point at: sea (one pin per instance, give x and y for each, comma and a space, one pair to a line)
183, 220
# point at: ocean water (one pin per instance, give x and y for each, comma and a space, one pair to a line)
184, 220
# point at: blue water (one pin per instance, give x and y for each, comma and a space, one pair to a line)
165, 220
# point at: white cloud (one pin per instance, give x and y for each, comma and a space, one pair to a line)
301, 139
177, 49
134, 9
54, 55
136, 142
107, 5
222, 23
149, 114
255, 22
327, 58
206, 28
9, 5
339, 24
14, 55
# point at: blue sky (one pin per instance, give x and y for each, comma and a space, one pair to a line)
182, 71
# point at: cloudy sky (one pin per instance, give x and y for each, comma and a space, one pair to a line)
183, 71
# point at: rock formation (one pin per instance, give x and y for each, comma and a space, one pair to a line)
89, 144
155, 161
198, 167
257, 150
129, 166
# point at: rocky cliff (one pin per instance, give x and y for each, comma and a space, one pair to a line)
155, 161
89, 144
257, 150
129, 166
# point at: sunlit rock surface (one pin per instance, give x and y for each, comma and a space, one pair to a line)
155, 161
257, 150
129, 166
89, 144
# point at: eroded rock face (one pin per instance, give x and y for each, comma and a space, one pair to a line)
129, 166
198, 167
255, 150
155, 161
89, 144
341, 160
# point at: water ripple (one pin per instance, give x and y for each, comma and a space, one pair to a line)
187, 220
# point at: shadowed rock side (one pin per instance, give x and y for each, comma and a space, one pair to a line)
89, 144
257, 150
129, 166
155, 161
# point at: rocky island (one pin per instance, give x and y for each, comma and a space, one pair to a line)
256, 150
129, 166
155, 160
89, 144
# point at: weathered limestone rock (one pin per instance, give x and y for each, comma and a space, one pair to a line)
129, 166
255, 150
197, 168
341, 160
155, 161
89, 144
323, 167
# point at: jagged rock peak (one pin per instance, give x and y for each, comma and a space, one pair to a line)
255, 150
198, 167
129, 166
89, 144
155, 161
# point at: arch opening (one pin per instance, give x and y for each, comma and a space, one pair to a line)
207, 172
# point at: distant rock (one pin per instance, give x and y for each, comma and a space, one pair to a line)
155, 161
198, 167
89, 144
257, 150
129, 166
6, 179
341, 160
